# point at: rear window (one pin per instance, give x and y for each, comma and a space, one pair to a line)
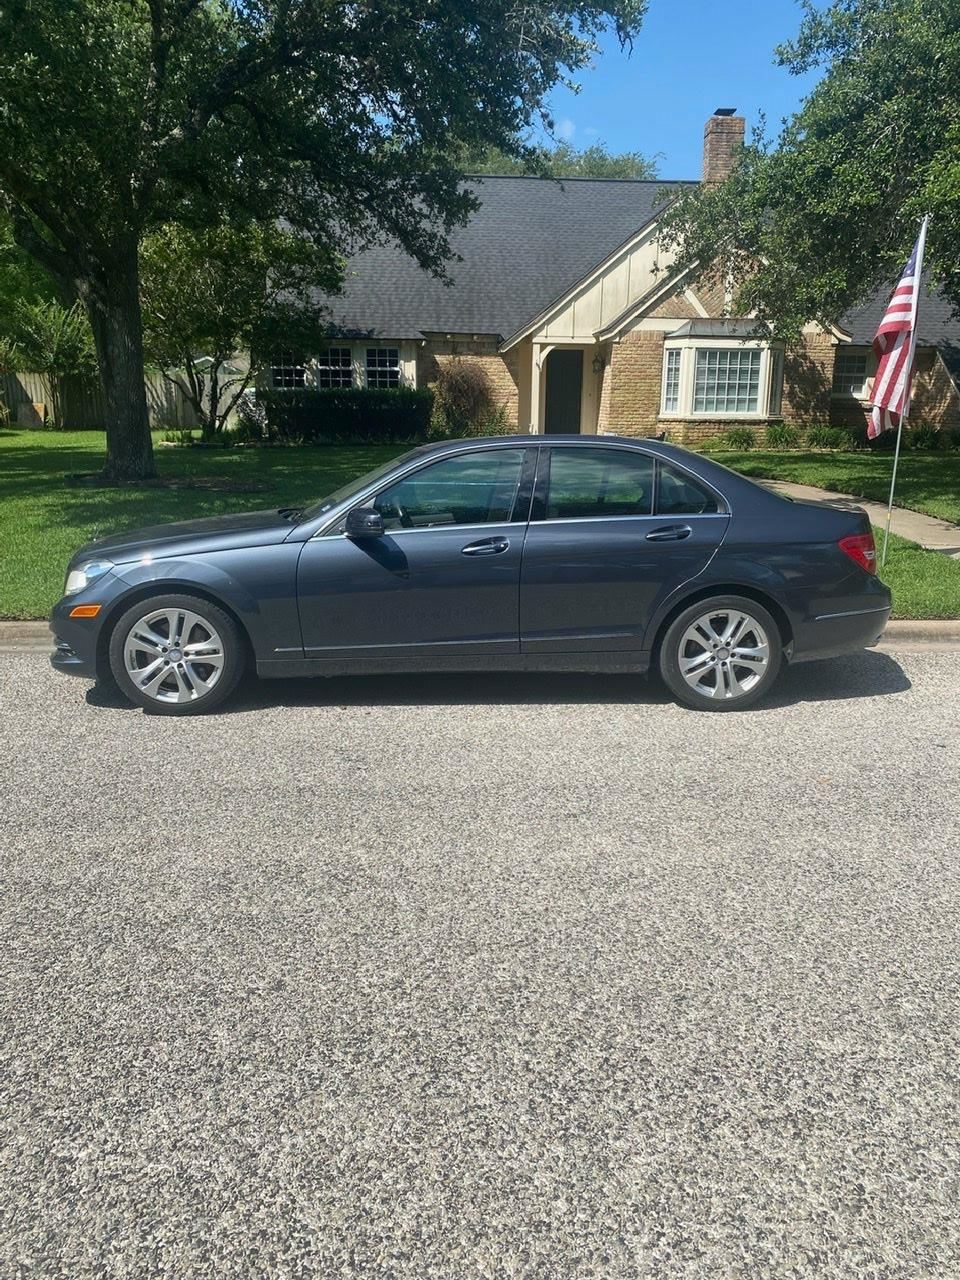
678, 494
586, 483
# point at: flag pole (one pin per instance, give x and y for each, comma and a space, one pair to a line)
921, 245
893, 481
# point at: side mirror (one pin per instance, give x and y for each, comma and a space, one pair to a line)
364, 522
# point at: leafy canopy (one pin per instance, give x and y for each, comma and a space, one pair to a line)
818, 221
563, 160
210, 293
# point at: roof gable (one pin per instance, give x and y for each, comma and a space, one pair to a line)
530, 241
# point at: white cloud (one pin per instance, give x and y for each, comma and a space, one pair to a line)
565, 129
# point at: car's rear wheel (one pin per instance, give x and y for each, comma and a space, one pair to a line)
176, 655
721, 654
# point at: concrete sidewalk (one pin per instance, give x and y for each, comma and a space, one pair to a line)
932, 534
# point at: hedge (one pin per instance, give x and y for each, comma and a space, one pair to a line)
348, 415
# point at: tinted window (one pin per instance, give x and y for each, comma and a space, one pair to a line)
681, 495
473, 488
599, 482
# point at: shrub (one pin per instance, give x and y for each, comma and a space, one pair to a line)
923, 436
252, 425
823, 436
350, 415
740, 439
463, 399
782, 436
953, 439
713, 444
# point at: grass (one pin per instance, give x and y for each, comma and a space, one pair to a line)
43, 519
927, 482
925, 584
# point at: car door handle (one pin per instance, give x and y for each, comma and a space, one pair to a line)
670, 533
488, 547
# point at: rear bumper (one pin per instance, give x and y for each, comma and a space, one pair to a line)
832, 634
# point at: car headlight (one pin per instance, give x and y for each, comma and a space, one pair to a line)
79, 579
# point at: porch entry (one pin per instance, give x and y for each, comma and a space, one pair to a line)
564, 391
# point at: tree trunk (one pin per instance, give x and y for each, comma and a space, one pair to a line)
113, 305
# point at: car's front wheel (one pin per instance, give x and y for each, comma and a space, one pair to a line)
721, 654
176, 655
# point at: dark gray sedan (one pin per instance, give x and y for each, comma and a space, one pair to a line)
522, 553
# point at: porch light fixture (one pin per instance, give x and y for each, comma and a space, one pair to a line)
599, 364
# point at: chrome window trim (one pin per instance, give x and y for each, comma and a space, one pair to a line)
700, 515
469, 447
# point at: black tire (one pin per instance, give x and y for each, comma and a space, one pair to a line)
718, 668
179, 679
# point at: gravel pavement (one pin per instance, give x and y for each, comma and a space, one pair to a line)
483, 977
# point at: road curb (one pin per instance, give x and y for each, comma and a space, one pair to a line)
906, 636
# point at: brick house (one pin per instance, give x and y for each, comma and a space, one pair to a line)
562, 293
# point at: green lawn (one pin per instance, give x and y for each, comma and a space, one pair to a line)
928, 482
43, 519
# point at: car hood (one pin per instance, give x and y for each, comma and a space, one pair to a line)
244, 529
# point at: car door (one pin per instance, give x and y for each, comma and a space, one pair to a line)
442, 580
612, 532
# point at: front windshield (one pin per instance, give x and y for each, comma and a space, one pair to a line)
353, 486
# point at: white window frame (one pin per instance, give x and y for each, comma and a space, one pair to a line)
672, 357
769, 387
322, 365
869, 369
296, 365
393, 366
406, 362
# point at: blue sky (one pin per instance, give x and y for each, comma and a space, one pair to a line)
690, 57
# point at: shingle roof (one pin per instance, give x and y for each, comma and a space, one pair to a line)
527, 244
938, 325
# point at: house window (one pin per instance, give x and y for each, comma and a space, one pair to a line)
775, 398
850, 370
726, 380
671, 382
335, 367
383, 366
287, 371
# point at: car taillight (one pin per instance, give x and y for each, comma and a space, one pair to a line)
860, 547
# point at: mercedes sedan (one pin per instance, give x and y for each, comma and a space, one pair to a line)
510, 554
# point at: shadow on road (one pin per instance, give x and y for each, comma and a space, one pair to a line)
861, 675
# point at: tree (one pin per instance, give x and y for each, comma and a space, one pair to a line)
819, 221
210, 294
563, 160
118, 116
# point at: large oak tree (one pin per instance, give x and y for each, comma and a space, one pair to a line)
339, 116
816, 222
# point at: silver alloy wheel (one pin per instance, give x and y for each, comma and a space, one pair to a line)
173, 655
724, 654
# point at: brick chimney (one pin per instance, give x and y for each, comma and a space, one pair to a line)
722, 139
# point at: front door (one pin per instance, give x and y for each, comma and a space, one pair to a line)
444, 578
564, 388
609, 539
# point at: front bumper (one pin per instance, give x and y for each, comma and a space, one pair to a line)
75, 640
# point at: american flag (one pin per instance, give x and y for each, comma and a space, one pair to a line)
894, 346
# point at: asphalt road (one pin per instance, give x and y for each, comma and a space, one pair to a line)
483, 977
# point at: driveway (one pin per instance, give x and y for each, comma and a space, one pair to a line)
483, 977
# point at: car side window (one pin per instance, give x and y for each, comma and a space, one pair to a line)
678, 494
586, 483
470, 488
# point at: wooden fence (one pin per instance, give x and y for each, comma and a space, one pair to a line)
30, 400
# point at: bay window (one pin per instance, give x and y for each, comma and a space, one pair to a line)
721, 379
